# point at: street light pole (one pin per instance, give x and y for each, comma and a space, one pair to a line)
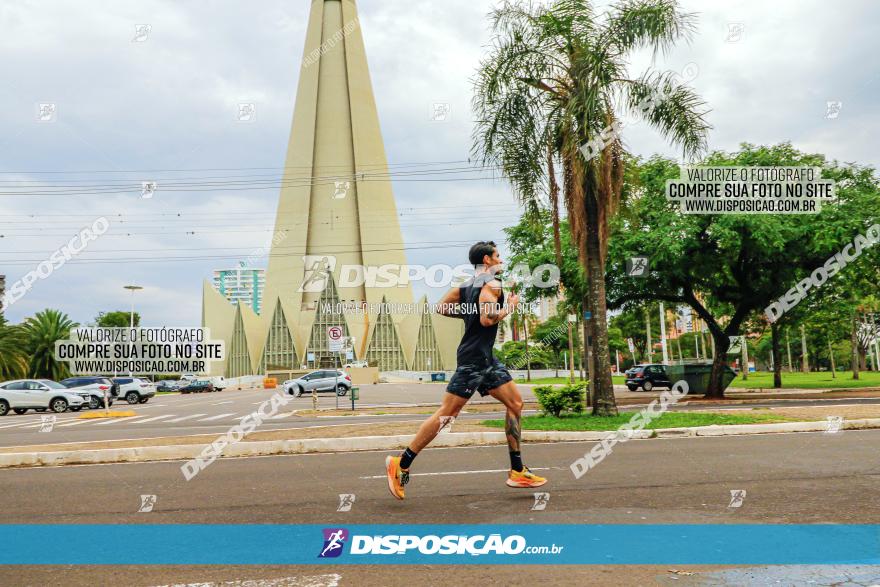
132, 289
663, 334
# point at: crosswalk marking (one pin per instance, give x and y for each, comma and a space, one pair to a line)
17, 424
143, 419
212, 418
114, 420
154, 418
74, 423
181, 419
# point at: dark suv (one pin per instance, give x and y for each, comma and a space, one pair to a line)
647, 377
91, 389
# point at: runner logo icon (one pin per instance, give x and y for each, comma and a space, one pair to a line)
334, 541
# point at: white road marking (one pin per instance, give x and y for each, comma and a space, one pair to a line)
181, 419
115, 420
221, 416
74, 423
17, 424
157, 418
458, 473
221, 403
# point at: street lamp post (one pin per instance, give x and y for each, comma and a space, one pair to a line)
132, 289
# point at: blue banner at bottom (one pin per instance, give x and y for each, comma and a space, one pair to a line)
541, 544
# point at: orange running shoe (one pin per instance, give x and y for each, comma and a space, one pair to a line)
397, 477
524, 479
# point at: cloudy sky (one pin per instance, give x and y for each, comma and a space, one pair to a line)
164, 107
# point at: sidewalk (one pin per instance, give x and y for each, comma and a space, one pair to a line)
393, 436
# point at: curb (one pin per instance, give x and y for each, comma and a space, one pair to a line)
398, 442
102, 414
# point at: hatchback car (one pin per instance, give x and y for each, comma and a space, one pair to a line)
22, 395
324, 380
135, 390
92, 389
647, 377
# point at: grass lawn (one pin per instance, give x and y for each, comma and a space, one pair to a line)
818, 380
764, 380
667, 420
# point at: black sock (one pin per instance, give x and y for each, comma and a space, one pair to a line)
407, 457
516, 460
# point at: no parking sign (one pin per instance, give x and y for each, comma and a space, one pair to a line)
335, 338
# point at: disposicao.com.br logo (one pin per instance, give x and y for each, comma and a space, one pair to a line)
476, 545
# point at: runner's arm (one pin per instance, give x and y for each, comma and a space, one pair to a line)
449, 305
490, 312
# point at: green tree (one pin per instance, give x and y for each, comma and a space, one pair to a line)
41, 331
554, 80
729, 267
12, 358
117, 319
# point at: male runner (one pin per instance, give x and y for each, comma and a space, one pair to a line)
480, 303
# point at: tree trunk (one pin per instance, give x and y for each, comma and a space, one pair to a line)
777, 359
587, 334
602, 388
528, 354
831, 358
554, 205
854, 342
805, 367
720, 344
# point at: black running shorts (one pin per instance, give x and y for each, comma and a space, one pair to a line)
470, 378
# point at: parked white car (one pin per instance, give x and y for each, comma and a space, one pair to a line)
135, 390
93, 389
22, 395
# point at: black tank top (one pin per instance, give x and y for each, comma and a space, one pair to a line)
476, 345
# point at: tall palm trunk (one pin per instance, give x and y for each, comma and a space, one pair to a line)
603, 394
554, 206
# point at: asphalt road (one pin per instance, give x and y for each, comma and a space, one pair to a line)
214, 413
203, 413
788, 478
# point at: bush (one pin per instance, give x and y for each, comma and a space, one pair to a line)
556, 400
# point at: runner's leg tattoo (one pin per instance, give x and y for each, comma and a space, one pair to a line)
513, 429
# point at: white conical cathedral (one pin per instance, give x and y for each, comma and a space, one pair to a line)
336, 209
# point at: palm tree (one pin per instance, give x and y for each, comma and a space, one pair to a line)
557, 76
12, 358
41, 331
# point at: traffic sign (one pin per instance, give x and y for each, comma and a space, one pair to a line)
335, 338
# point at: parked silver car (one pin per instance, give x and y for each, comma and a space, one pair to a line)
22, 395
323, 380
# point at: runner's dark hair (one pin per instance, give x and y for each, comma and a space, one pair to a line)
480, 250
